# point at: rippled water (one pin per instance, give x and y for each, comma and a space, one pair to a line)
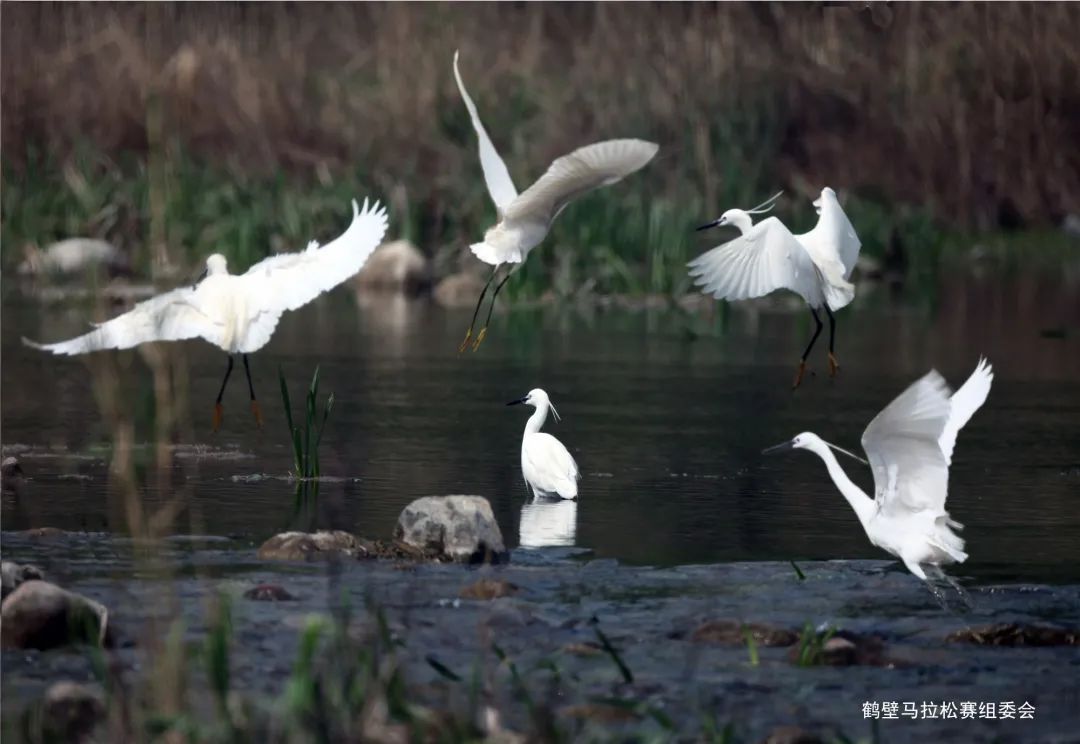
665, 412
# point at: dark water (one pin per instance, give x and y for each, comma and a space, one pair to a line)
665, 412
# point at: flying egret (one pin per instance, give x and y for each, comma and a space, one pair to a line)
548, 468
525, 219
766, 257
238, 312
910, 445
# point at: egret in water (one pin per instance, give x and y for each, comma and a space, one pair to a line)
548, 468
766, 257
524, 219
238, 312
910, 445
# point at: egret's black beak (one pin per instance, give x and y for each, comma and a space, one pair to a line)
201, 276
789, 445
519, 400
714, 223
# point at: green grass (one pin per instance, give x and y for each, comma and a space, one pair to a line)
305, 440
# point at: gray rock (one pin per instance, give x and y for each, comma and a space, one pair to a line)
42, 615
455, 528
399, 265
11, 474
14, 574
73, 255
71, 711
306, 546
458, 290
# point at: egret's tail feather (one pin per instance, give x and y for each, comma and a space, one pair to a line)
947, 541
485, 253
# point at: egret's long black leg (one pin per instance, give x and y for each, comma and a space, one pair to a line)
251, 389
491, 309
218, 409
476, 312
802, 361
833, 364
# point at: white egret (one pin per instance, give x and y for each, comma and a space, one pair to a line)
910, 445
549, 470
238, 312
525, 219
766, 257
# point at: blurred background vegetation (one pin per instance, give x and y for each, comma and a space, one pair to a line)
176, 130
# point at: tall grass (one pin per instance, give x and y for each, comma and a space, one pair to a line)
305, 440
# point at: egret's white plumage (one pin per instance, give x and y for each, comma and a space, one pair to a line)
909, 446
238, 312
525, 219
548, 523
547, 466
766, 257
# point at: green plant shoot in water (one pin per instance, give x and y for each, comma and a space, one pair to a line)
305, 441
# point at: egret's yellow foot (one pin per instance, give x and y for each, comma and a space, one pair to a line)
833, 365
219, 412
468, 335
799, 374
479, 338
255, 409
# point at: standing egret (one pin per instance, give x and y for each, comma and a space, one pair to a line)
766, 257
525, 219
238, 312
910, 445
548, 468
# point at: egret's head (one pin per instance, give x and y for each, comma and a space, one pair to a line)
806, 440
538, 399
826, 193
727, 218
216, 264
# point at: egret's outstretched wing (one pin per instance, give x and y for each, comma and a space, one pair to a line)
910, 470
847, 242
180, 314
549, 465
963, 404
291, 280
582, 170
497, 177
765, 258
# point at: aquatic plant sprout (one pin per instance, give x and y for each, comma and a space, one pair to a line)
767, 257
910, 445
548, 468
239, 312
525, 219
305, 441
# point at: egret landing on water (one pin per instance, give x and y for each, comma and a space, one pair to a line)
910, 446
548, 468
766, 257
524, 219
238, 312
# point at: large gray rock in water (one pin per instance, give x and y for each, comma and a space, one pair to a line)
399, 265
14, 574
71, 711
42, 615
458, 290
306, 546
456, 528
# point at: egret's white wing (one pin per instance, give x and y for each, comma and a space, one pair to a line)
549, 466
847, 242
291, 280
965, 401
582, 170
911, 472
497, 177
765, 258
180, 314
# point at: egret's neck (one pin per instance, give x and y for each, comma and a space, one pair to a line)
860, 502
741, 220
536, 420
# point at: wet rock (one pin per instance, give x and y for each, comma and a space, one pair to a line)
46, 532
489, 589
399, 266
10, 469
71, 711
459, 290
307, 546
791, 735
733, 633
1016, 634
268, 593
42, 615
13, 574
74, 255
457, 528
840, 649
601, 712
588, 648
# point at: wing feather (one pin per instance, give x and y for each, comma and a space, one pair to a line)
497, 177
965, 401
549, 466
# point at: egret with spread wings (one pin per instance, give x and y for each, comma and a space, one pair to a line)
910, 446
238, 312
549, 470
767, 257
525, 219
